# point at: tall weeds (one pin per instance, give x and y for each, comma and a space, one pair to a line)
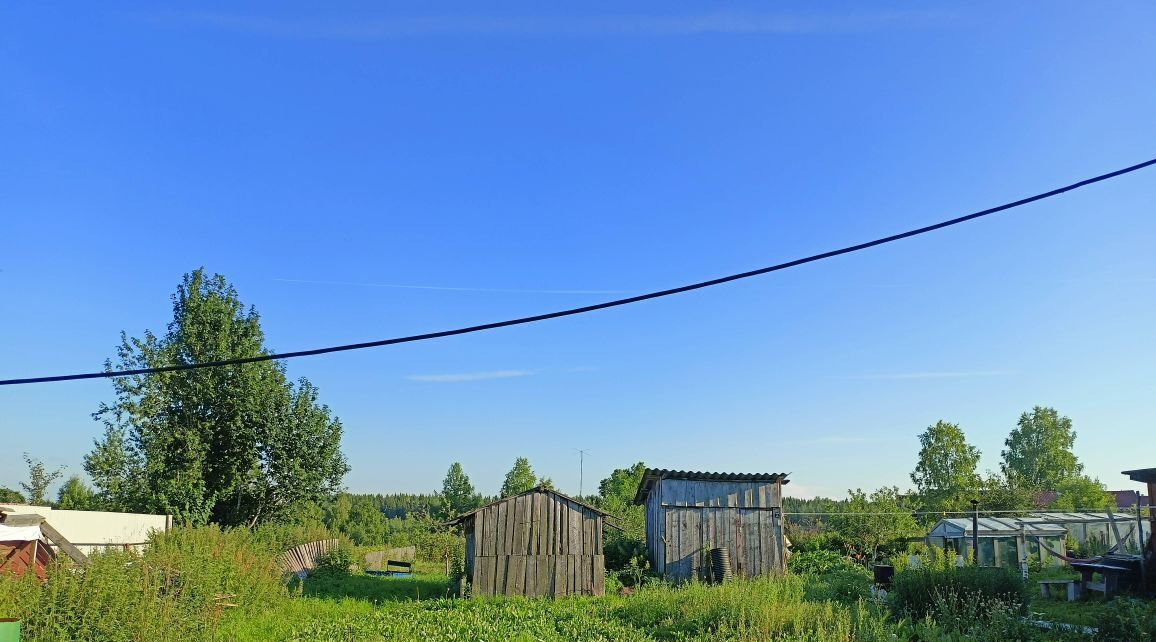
178, 589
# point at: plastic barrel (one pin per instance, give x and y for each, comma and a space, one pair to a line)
9, 630
720, 561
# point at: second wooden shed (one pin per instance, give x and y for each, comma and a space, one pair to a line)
537, 544
689, 513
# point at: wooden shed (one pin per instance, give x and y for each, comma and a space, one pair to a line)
690, 513
537, 544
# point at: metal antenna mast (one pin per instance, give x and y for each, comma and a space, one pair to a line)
581, 469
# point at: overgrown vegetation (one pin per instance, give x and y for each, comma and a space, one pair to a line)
178, 589
207, 584
917, 592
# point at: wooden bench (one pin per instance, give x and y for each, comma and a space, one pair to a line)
1111, 573
394, 568
1071, 588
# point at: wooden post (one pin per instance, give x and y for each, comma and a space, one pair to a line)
1140, 542
55, 537
1115, 527
1151, 515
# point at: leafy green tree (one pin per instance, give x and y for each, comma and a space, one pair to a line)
946, 474
546, 482
366, 526
9, 496
881, 521
1004, 496
1038, 451
616, 497
1082, 493
234, 444
304, 514
74, 494
115, 469
339, 511
299, 456
520, 479
458, 494
39, 479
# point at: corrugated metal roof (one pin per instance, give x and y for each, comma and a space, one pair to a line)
652, 475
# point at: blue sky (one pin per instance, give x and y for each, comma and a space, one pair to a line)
524, 159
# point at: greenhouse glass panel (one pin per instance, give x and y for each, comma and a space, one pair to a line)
986, 551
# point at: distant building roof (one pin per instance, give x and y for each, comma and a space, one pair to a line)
1127, 498
653, 475
1122, 498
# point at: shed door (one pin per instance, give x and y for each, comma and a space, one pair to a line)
751, 536
755, 546
684, 542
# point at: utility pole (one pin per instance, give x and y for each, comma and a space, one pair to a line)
581, 469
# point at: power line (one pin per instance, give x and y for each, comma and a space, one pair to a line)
589, 308
1029, 512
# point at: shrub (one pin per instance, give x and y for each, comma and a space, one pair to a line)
819, 561
622, 551
335, 561
976, 618
914, 592
845, 584
807, 542
920, 555
1127, 620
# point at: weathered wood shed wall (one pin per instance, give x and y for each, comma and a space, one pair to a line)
537, 544
689, 513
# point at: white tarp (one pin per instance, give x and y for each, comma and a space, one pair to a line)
19, 533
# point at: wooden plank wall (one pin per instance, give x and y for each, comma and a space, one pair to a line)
685, 519
375, 560
537, 545
655, 529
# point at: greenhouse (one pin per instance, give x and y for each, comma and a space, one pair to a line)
1001, 538
1094, 530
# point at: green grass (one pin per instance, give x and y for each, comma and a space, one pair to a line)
763, 609
171, 593
373, 588
1083, 612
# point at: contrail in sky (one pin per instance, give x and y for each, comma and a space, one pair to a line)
447, 288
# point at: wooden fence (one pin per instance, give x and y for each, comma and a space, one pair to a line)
304, 557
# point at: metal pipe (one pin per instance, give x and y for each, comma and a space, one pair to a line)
975, 532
